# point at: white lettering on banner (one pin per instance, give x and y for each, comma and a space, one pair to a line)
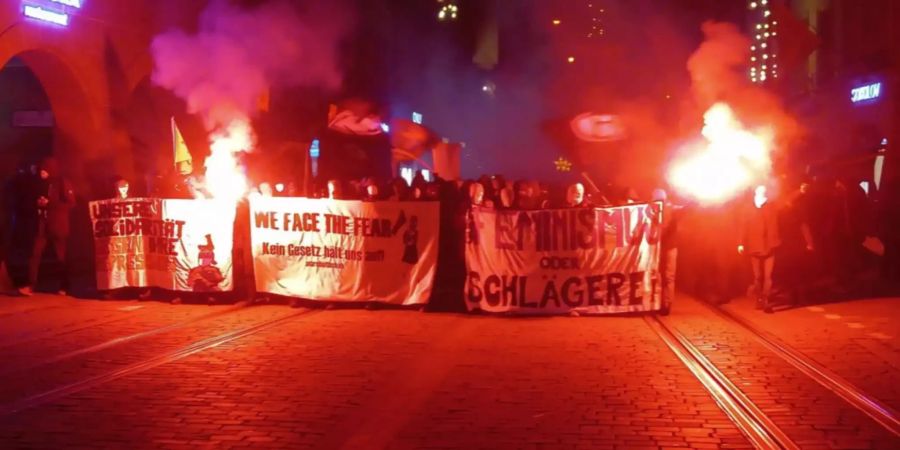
321, 249
555, 261
868, 92
182, 245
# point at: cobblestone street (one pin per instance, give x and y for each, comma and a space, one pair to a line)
92, 374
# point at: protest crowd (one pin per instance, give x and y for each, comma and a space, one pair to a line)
792, 242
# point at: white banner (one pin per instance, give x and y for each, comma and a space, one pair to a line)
337, 250
182, 245
555, 261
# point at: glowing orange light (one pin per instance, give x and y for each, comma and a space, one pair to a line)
562, 164
571, 59
224, 178
729, 159
556, 22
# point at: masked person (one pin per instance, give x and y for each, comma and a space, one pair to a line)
122, 189
668, 262
53, 198
477, 197
372, 194
759, 238
575, 197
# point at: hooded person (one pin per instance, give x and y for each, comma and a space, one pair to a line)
668, 260
759, 237
54, 199
575, 197
122, 191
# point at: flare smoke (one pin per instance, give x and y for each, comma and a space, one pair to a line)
718, 70
237, 54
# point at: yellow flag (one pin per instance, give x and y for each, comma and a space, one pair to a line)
182, 156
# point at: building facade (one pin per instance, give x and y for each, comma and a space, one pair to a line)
845, 90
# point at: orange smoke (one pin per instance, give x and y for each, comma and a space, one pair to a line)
225, 178
729, 159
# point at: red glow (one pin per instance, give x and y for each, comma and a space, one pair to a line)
728, 160
224, 177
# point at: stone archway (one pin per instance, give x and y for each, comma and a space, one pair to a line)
75, 129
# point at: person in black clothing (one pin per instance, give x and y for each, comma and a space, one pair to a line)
21, 219
759, 238
53, 199
668, 261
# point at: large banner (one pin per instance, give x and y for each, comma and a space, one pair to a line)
321, 249
557, 261
182, 245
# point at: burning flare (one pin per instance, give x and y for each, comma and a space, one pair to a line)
225, 178
729, 160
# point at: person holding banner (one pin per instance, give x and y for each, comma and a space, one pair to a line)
122, 191
53, 198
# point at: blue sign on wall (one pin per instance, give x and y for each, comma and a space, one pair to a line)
865, 93
50, 11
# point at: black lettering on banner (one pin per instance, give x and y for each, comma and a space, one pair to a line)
602, 219
616, 219
558, 263
643, 227
542, 230
504, 229
522, 283
382, 227
509, 290
568, 293
588, 237
559, 233
572, 243
123, 209
550, 293
613, 282
634, 286
474, 292
595, 289
523, 225
492, 296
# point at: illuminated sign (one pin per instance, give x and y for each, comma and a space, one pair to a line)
867, 92
36, 12
72, 3
417, 118
314, 149
51, 11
